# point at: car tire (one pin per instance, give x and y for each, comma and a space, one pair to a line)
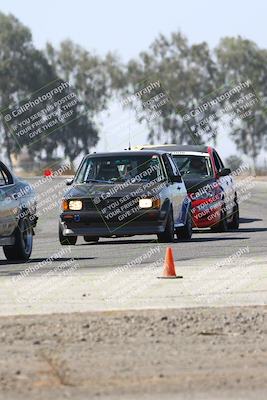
66, 240
168, 235
222, 226
89, 239
22, 248
234, 224
185, 233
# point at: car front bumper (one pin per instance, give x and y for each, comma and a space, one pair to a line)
93, 224
206, 215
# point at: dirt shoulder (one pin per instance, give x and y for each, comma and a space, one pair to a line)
209, 353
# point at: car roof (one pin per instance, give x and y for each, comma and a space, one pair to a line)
128, 153
176, 147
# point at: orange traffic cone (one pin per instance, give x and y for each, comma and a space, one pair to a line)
169, 267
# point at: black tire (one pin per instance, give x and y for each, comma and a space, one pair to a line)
168, 235
66, 240
222, 226
91, 238
185, 233
22, 248
234, 224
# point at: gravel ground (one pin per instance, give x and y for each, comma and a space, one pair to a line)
200, 353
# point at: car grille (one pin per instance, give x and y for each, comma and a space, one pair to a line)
88, 204
112, 206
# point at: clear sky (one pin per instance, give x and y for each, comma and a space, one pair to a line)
129, 27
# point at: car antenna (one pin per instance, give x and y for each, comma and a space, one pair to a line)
129, 136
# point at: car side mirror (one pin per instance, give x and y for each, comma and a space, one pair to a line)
224, 172
69, 181
176, 179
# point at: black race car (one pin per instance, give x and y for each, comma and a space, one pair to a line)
124, 194
17, 215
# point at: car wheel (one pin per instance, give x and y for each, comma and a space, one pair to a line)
185, 233
234, 224
66, 240
168, 235
91, 238
22, 248
222, 226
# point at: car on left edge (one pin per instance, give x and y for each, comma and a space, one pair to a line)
17, 215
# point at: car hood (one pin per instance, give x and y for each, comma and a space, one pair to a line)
104, 191
194, 184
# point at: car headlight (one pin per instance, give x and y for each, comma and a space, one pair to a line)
145, 203
75, 205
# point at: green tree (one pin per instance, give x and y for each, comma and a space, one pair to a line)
186, 72
239, 60
233, 162
23, 69
92, 77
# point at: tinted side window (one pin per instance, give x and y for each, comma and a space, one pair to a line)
220, 160
3, 178
167, 164
218, 164
174, 166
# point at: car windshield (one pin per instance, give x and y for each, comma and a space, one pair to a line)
194, 166
111, 169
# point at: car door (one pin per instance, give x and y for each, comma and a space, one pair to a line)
9, 204
177, 190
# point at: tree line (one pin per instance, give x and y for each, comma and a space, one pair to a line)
189, 73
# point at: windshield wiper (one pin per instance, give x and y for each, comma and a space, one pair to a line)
96, 181
119, 180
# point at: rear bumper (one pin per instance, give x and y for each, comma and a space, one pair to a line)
92, 224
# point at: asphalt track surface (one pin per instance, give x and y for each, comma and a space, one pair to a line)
184, 349
210, 277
